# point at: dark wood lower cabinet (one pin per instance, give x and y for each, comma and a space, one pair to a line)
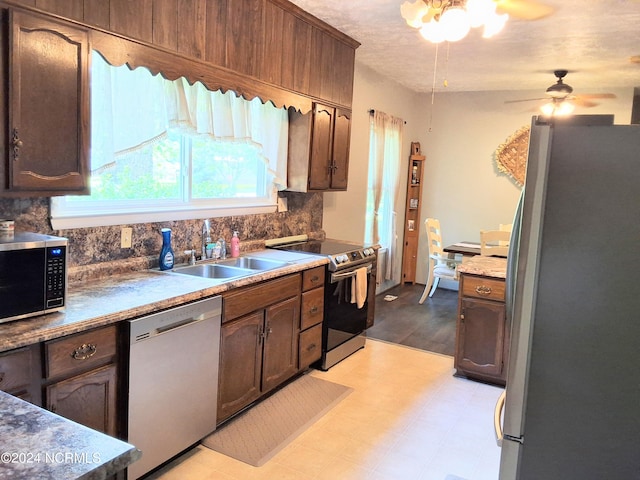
89, 399
20, 373
240, 364
482, 334
259, 342
258, 352
280, 358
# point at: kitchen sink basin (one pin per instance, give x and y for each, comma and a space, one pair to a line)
212, 270
253, 263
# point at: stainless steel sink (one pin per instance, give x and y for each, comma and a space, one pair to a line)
252, 263
213, 270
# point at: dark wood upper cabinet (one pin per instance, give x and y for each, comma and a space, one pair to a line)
48, 117
319, 149
263, 41
269, 49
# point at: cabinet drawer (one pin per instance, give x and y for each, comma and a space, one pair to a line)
246, 300
312, 308
312, 278
310, 345
79, 352
15, 369
480, 287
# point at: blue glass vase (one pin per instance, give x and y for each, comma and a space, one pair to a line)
166, 252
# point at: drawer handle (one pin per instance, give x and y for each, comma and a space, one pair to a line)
315, 278
313, 310
85, 351
311, 347
483, 290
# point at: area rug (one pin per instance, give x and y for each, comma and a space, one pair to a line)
262, 431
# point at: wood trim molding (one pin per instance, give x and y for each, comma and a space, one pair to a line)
118, 51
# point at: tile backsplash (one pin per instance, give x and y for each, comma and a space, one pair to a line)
95, 251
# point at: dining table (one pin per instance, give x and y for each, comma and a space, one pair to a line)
465, 248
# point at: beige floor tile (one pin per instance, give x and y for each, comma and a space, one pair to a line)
407, 418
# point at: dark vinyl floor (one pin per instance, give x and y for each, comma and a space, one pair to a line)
430, 326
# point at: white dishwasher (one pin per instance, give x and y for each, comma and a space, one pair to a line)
173, 381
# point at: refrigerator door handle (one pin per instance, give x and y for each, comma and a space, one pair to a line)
497, 416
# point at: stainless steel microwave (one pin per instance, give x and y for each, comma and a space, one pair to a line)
33, 275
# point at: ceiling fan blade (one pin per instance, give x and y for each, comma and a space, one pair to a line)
582, 102
524, 9
526, 100
596, 95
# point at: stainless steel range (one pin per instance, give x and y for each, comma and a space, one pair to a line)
349, 295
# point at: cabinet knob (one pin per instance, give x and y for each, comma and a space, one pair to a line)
85, 351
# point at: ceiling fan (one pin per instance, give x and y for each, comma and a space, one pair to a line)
451, 20
561, 100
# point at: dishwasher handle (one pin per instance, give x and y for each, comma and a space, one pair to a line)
173, 326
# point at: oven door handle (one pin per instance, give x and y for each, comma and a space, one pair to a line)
339, 276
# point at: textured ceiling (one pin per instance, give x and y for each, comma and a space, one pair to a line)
593, 39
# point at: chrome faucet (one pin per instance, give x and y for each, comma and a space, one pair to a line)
206, 237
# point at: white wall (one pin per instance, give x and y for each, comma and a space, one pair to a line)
462, 185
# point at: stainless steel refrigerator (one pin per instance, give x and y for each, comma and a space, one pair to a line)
571, 408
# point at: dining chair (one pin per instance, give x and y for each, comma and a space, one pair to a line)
439, 263
506, 227
494, 243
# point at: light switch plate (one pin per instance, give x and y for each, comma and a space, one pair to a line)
125, 237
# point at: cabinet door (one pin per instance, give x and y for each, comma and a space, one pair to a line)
280, 360
49, 106
481, 337
89, 399
20, 373
409, 257
240, 364
321, 148
341, 137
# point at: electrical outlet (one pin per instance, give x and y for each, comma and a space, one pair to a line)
282, 204
125, 237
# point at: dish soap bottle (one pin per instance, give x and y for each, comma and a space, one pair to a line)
166, 252
235, 245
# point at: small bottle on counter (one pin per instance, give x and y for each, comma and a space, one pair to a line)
166, 252
223, 248
235, 245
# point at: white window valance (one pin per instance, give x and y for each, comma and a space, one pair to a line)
141, 108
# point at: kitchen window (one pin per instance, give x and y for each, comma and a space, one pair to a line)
167, 150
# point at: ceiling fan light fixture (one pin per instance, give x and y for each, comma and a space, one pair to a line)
433, 32
451, 20
455, 23
480, 11
413, 13
494, 24
557, 108
547, 109
564, 109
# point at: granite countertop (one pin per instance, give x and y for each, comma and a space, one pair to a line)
102, 302
35, 443
495, 267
